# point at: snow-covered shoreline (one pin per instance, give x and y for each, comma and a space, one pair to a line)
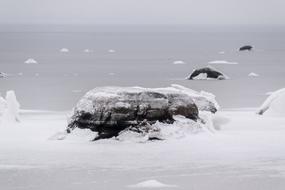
245, 147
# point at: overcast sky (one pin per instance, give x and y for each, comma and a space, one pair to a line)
143, 11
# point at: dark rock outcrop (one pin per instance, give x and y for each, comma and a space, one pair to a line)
245, 48
109, 110
206, 73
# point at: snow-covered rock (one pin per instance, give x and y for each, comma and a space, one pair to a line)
31, 61
111, 111
274, 104
206, 73
3, 75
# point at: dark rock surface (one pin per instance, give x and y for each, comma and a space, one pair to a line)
245, 48
109, 110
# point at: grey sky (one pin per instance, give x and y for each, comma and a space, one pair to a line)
143, 11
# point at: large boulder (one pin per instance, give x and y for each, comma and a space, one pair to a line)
109, 110
206, 73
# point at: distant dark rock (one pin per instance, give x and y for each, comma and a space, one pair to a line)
109, 110
245, 48
206, 73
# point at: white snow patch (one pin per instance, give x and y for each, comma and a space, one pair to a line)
111, 51
64, 50
31, 61
222, 62
151, 184
274, 104
222, 52
252, 74
87, 50
179, 62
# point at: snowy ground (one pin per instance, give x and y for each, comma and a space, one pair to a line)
247, 152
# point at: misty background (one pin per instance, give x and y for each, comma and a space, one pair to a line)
197, 12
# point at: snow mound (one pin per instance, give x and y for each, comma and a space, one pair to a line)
252, 74
274, 104
151, 184
64, 50
222, 62
179, 62
31, 61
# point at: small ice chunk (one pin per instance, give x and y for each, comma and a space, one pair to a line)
37, 74
222, 62
221, 52
20, 74
252, 74
64, 50
31, 61
179, 62
112, 74
111, 51
151, 184
87, 50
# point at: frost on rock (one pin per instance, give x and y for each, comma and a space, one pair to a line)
124, 111
207, 73
274, 104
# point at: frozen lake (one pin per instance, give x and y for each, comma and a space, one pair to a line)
143, 56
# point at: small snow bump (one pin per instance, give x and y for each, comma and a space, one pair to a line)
252, 74
178, 62
64, 50
31, 61
151, 184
